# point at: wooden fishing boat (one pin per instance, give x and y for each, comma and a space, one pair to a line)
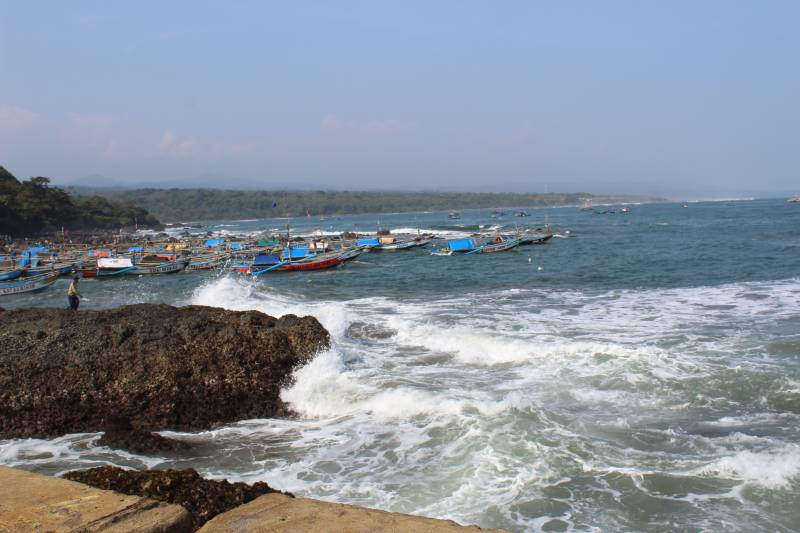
8, 275
28, 284
535, 239
113, 266
288, 265
469, 246
347, 254
160, 268
206, 263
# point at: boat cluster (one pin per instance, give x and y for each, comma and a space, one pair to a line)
38, 267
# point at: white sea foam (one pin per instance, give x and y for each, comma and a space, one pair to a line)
771, 470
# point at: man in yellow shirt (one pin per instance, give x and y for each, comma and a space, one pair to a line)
73, 294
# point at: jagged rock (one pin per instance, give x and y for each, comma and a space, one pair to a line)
158, 366
203, 498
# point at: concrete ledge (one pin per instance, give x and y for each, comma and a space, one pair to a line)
36, 503
279, 513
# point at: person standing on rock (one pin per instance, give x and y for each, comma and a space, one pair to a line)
73, 295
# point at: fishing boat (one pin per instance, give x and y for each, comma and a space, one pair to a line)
288, 265
111, 266
469, 246
794, 200
206, 263
28, 284
389, 243
169, 267
534, 238
453, 215
347, 254
13, 273
522, 214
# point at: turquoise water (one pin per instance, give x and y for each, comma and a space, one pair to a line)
641, 372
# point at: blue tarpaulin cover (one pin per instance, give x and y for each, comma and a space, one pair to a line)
238, 246
133, 249
36, 249
295, 253
266, 260
214, 242
461, 245
368, 242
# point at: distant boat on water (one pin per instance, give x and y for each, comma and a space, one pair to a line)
453, 215
794, 200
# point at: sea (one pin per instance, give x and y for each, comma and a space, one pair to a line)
639, 372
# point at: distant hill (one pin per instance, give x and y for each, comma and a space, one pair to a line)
210, 204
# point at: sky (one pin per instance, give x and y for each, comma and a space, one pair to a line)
685, 99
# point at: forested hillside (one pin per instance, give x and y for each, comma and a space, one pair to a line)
209, 204
33, 206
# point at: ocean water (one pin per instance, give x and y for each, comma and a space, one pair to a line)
640, 372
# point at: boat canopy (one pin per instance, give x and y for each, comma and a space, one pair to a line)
36, 249
211, 243
266, 260
368, 242
114, 262
133, 249
238, 246
461, 245
295, 253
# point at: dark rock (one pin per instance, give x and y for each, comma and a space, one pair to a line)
158, 366
203, 498
121, 435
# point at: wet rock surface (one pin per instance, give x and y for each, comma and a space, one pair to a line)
156, 366
203, 498
120, 435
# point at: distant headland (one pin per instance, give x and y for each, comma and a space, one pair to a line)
170, 205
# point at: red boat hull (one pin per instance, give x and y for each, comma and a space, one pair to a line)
300, 266
87, 272
316, 265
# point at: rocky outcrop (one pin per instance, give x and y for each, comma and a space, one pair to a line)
157, 366
203, 498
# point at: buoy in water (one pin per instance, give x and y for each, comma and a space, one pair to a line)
530, 260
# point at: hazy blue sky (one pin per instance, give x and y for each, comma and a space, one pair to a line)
695, 98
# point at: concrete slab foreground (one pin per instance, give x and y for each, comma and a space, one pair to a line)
35, 503
279, 513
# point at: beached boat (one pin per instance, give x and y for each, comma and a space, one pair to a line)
28, 284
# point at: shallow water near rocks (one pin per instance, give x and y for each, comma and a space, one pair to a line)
647, 378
